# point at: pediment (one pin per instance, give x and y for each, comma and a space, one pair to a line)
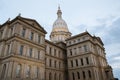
33, 23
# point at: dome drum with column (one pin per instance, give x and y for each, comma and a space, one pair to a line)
60, 30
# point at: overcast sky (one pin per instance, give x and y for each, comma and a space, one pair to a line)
99, 17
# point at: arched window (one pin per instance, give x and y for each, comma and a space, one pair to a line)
18, 70
28, 71
3, 71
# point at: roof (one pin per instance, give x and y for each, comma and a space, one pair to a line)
26, 20
53, 43
81, 34
84, 33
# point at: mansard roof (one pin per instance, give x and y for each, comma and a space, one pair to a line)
28, 21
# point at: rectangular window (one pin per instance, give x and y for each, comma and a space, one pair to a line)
76, 62
78, 40
36, 72
59, 54
38, 54
87, 60
21, 50
74, 50
28, 71
70, 43
11, 31
31, 36
8, 47
50, 51
1, 32
23, 32
73, 76
39, 37
30, 52
85, 48
84, 75
55, 52
80, 49
71, 63
50, 63
70, 51
78, 74
81, 61
18, 70
59, 64
89, 74
55, 64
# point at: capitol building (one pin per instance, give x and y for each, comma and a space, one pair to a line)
25, 54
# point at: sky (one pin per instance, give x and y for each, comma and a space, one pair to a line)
98, 17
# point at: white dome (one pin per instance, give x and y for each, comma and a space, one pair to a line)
60, 30
60, 25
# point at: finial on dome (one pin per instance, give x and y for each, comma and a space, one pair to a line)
59, 13
58, 6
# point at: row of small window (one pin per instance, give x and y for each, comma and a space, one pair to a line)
19, 71
55, 63
23, 33
31, 37
76, 76
54, 76
54, 52
81, 49
30, 53
81, 62
77, 40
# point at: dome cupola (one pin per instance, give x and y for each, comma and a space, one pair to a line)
60, 30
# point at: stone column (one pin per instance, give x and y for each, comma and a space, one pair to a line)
1, 69
7, 68
14, 70
32, 71
23, 71
5, 53
10, 69
4, 32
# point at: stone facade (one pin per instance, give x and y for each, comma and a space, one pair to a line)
86, 58
25, 54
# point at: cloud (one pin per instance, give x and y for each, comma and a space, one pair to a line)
109, 30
